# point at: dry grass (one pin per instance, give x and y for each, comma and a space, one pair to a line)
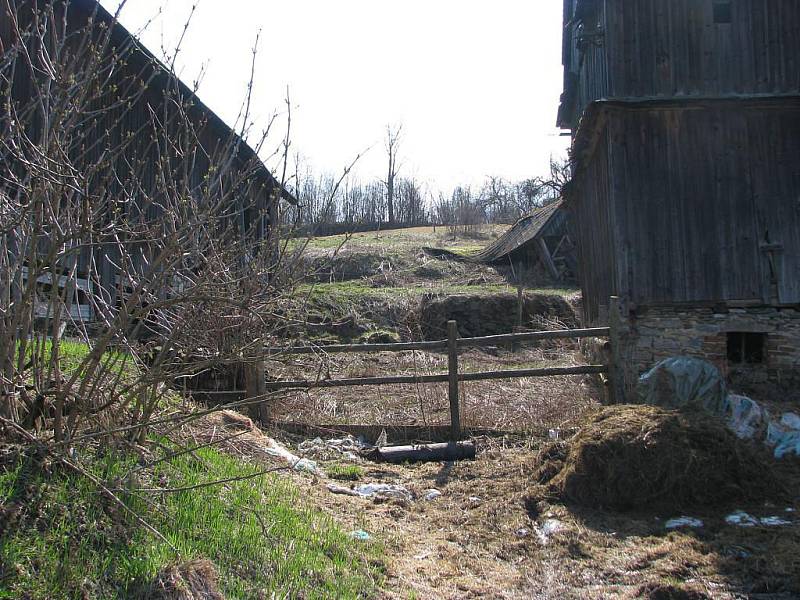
194, 580
529, 404
458, 546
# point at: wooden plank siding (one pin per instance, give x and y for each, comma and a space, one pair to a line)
150, 127
695, 191
673, 48
597, 261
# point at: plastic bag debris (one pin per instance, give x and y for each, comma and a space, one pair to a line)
742, 519
680, 522
745, 417
774, 521
682, 381
432, 494
784, 435
359, 534
297, 463
373, 490
548, 529
347, 447
340, 489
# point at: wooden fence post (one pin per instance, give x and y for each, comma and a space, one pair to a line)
615, 372
256, 386
452, 372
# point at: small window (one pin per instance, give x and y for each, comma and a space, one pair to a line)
722, 11
747, 348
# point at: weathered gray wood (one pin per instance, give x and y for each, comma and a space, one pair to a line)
490, 340
547, 259
615, 371
341, 348
528, 336
428, 452
444, 378
452, 372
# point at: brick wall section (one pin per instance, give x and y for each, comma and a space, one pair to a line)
654, 334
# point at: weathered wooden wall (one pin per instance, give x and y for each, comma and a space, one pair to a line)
674, 48
154, 132
590, 201
705, 205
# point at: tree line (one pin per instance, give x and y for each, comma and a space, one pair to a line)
327, 204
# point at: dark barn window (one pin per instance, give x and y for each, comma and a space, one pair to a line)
746, 347
722, 11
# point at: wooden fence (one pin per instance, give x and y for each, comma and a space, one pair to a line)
257, 384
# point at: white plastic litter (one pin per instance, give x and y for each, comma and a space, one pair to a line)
745, 417
383, 490
784, 435
340, 489
774, 521
742, 519
346, 447
432, 494
548, 529
297, 463
474, 500
680, 522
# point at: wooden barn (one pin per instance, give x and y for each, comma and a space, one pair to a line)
140, 129
538, 242
685, 124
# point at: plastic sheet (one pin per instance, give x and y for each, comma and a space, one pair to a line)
682, 381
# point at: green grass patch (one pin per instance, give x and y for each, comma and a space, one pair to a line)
66, 541
345, 472
71, 355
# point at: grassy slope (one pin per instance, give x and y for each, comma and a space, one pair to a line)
65, 540
60, 538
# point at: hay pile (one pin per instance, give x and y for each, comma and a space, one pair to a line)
634, 457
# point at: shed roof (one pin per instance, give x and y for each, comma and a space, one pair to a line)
143, 56
527, 228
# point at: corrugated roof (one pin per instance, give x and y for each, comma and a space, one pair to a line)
523, 231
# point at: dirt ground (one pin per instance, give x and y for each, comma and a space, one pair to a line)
484, 537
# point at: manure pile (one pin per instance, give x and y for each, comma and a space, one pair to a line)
646, 457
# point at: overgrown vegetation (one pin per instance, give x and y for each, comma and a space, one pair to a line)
62, 538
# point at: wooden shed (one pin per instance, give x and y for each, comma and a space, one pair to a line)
538, 240
138, 104
685, 122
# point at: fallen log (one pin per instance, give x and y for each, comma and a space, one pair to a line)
426, 452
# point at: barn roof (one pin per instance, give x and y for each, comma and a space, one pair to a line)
527, 228
164, 75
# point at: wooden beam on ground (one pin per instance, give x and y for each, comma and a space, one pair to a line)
427, 453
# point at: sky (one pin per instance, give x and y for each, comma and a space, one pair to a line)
473, 83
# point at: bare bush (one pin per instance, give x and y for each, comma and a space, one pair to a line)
131, 221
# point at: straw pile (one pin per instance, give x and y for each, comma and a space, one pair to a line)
631, 457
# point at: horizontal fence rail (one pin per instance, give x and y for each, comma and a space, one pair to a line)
473, 342
442, 378
257, 384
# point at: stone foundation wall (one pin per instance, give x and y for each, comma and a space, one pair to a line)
654, 334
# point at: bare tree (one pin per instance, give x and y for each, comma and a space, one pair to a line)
392, 144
